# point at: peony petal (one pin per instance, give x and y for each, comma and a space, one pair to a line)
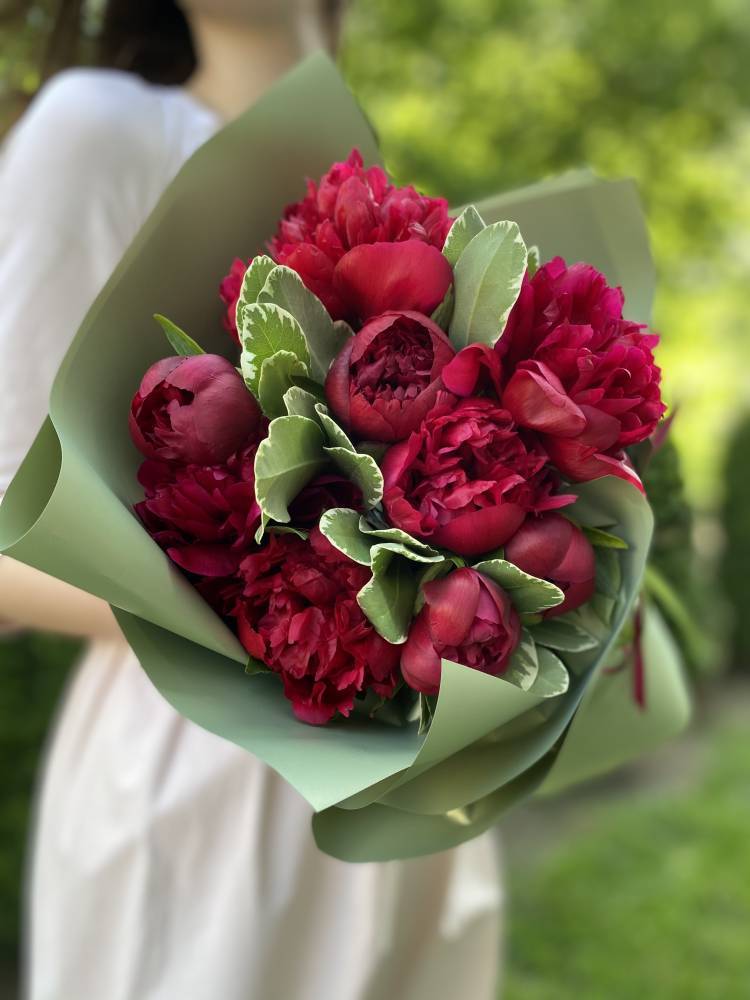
540, 544
580, 463
465, 371
337, 383
479, 531
420, 663
452, 603
576, 594
205, 559
536, 399
378, 277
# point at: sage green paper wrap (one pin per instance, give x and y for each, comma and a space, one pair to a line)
379, 791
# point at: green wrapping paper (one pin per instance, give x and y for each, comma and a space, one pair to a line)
379, 791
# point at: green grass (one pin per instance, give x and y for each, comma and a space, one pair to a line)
644, 897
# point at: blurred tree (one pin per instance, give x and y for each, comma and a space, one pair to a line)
735, 577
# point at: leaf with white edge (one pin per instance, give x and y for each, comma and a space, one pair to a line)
300, 403
559, 633
387, 599
400, 537
252, 283
312, 387
340, 526
444, 312
527, 593
179, 341
523, 667
285, 462
603, 539
533, 261
267, 329
276, 375
264, 522
462, 232
553, 678
361, 469
286, 529
487, 279
285, 288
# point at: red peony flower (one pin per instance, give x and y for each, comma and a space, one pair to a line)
193, 410
387, 377
466, 618
229, 290
582, 376
299, 615
204, 516
552, 548
467, 478
349, 207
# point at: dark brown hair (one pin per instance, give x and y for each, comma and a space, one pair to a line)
147, 37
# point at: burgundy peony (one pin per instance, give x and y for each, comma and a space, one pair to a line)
229, 290
467, 478
204, 516
466, 618
582, 376
351, 206
193, 410
552, 548
299, 615
386, 379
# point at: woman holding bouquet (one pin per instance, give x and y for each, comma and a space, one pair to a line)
167, 862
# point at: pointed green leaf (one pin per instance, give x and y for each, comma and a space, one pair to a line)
487, 279
444, 313
462, 232
603, 539
275, 381
285, 462
608, 572
265, 330
253, 667
179, 341
340, 525
528, 593
560, 633
255, 277
533, 261
523, 667
285, 288
553, 678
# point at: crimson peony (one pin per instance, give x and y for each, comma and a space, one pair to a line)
387, 377
193, 410
466, 618
299, 615
467, 478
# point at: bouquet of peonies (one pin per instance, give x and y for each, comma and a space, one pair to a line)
401, 498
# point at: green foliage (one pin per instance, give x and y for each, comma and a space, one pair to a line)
180, 342
33, 670
661, 874
735, 577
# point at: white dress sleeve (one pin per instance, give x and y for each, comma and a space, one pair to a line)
76, 181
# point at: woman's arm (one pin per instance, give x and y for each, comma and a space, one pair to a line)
31, 599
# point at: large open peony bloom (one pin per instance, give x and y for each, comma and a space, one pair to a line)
578, 373
466, 479
466, 618
386, 378
299, 615
350, 207
204, 516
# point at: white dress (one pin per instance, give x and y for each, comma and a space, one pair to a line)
168, 864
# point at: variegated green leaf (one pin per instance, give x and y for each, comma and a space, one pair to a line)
267, 329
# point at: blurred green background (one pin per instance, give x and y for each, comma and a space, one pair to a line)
638, 885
